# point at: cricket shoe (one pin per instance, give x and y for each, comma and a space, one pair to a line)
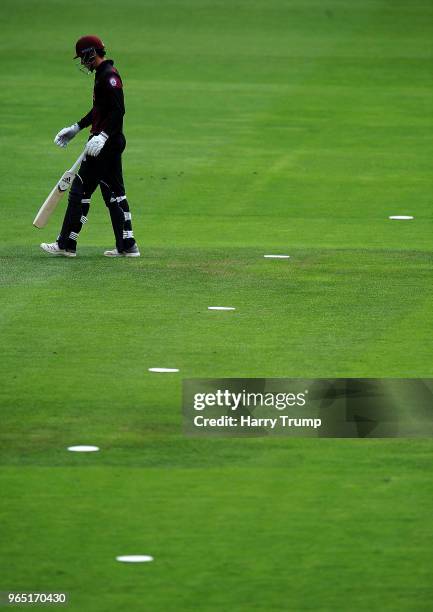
132, 252
53, 249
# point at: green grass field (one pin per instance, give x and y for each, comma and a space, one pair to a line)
287, 126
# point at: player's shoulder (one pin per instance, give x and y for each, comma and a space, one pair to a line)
111, 75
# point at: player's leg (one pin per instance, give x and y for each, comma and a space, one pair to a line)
113, 192
116, 213
121, 221
83, 185
81, 191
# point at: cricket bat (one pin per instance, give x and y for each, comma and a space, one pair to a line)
48, 207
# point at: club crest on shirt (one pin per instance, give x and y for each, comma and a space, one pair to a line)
114, 82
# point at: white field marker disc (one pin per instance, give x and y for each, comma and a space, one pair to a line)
83, 449
401, 217
163, 370
276, 256
134, 558
221, 308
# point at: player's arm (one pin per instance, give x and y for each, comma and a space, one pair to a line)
116, 106
86, 120
114, 117
68, 133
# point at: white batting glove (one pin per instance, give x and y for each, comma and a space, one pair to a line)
95, 144
65, 135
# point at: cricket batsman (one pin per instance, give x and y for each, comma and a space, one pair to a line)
102, 163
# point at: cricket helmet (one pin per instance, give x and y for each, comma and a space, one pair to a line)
88, 45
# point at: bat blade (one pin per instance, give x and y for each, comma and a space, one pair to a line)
50, 204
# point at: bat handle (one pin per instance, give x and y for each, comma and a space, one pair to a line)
78, 162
